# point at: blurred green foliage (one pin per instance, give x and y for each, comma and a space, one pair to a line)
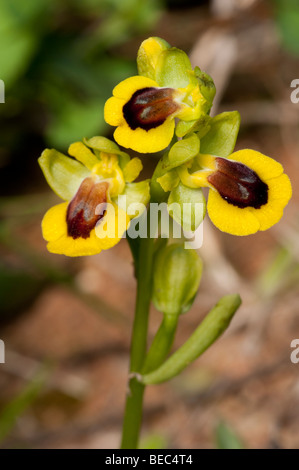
19, 404
226, 437
287, 19
58, 62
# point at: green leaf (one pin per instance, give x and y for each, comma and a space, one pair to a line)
213, 325
153, 441
221, 138
226, 438
17, 49
63, 174
161, 343
19, 404
287, 19
183, 206
18, 12
75, 120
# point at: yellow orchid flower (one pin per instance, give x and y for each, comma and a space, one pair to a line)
91, 218
144, 112
248, 190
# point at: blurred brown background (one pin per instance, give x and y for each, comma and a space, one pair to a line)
66, 323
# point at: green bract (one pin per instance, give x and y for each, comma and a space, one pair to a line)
187, 206
222, 136
200, 126
177, 275
181, 152
134, 195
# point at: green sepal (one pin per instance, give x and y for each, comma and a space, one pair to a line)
181, 152
212, 326
222, 136
182, 206
200, 126
174, 69
102, 144
177, 275
138, 193
63, 174
148, 54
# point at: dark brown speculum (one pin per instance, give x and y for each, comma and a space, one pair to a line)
238, 184
81, 214
149, 107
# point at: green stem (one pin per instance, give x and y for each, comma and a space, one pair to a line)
134, 401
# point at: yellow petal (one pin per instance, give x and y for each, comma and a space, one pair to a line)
83, 155
54, 229
127, 88
54, 222
279, 194
169, 181
113, 111
144, 141
111, 228
265, 167
229, 218
67, 246
132, 169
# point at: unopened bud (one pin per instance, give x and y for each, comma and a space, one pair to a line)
177, 275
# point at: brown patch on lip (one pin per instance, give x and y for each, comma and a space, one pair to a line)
81, 214
149, 108
238, 184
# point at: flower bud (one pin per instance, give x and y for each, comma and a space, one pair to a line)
148, 55
174, 69
177, 275
206, 85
